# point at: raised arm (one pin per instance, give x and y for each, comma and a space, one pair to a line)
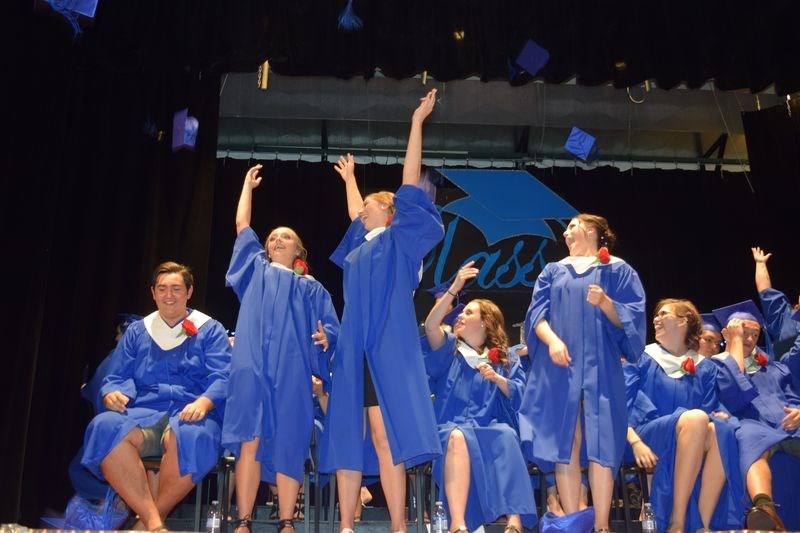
762, 273
433, 322
244, 209
733, 335
346, 168
413, 162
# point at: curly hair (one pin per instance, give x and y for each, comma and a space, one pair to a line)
495, 326
694, 322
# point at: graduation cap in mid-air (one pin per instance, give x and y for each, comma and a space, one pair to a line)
581, 145
184, 130
452, 315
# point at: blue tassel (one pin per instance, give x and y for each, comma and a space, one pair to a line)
61, 7
349, 20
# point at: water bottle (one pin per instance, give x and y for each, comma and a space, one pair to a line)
213, 520
648, 519
439, 519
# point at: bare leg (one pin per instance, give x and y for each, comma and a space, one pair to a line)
690, 432
713, 478
568, 477
349, 483
759, 477
172, 487
601, 481
553, 505
248, 477
456, 478
288, 488
393, 476
123, 469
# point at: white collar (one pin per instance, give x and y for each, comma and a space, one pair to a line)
582, 263
168, 337
669, 363
371, 234
471, 355
284, 267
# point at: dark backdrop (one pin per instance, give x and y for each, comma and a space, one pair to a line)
92, 201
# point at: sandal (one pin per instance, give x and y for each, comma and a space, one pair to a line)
283, 524
299, 507
274, 513
460, 529
159, 528
244, 522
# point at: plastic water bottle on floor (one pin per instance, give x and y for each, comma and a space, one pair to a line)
439, 519
648, 519
213, 520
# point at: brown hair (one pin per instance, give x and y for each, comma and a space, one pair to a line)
605, 236
384, 197
685, 309
171, 267
495, 326
300, 247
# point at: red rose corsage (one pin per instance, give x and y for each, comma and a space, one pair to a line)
603, 255
189, 328
300, 267
688, 366
389, 220
761, 359
494, 356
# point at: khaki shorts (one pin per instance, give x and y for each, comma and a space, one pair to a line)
153, 444
790, 446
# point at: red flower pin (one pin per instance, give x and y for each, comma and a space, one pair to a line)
300, 267
389, 220
688, 366
603, 256
761, 359
189, 328
494, 356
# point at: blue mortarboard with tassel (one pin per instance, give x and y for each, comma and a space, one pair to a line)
581, 145
184, 130
348, 20
70, 9
532, 57
452, 315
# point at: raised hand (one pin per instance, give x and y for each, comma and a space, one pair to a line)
426, 104
759, 255
465, 273
346, 167
252, 179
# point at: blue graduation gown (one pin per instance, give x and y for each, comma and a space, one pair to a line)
655, 403
499, 482
778, 315
379, 323
553, 394
161, 383
274, 357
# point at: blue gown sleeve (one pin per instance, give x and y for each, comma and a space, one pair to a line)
539, 308
640, 408
324, 311
792, 360
735, 390
121, 377
417, 225
516, 386
91, 391
629, 302
353, 237
778, 314
710, 401
246, 251
437, 362
217, 350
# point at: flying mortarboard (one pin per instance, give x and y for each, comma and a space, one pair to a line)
451, 317
710, 322
439, 290
532, 57
581, 145
184, 130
